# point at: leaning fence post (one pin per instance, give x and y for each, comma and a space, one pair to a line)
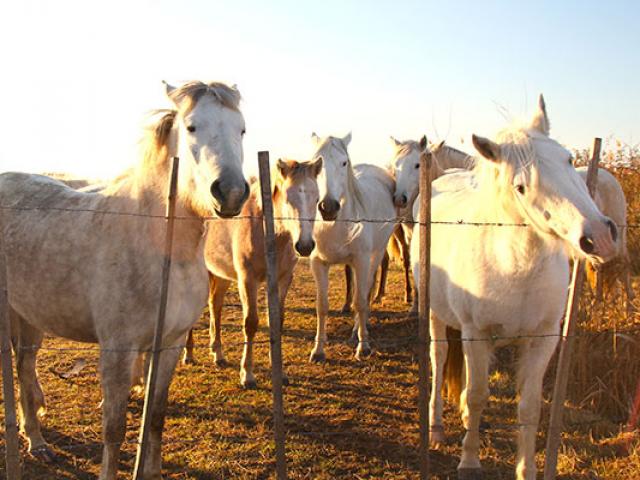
275, 314
423, 311
12, 452
156, 350
566, 341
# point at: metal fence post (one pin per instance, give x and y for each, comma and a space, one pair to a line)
275, 327
566, 341
147, 412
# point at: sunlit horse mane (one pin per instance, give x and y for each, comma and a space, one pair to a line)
228, 96
352, 184
517, 149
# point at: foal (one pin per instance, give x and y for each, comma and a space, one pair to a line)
234, 251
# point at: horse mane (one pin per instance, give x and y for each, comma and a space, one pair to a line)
352, 183
518, 154
456, 158
191, 92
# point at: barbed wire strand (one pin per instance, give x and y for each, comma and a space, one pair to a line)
396, 220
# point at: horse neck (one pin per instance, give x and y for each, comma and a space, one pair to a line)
146, 193
282, 235
523, 245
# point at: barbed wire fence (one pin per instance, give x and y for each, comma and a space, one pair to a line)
420, 340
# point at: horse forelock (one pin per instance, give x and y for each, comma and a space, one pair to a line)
190, 93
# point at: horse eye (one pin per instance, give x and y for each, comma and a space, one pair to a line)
191, 129
417, 166
344, 164
571, 161
520, 189
243, 132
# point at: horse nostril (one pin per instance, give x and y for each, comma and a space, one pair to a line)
215, 189
613, 230
586, 244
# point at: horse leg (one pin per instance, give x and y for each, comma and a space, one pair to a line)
217, 289
406, 263
116, 368
473, 400
166, 366
284, 282
27, 343
628, 288
363, 282
438, 351
384, 270
320, 272
188, 358
248, 290
534, 359
348, 277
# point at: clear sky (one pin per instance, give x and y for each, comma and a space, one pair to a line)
78, 76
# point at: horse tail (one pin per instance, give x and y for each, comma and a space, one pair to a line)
453, 367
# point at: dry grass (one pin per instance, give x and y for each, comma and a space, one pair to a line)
349, 419
346, 419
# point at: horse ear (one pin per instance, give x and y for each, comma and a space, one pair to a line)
316, 167
315, 138
283, 168
346, 139
168, 89
438, 146
394, 141
423, 143
540, 120
488, 149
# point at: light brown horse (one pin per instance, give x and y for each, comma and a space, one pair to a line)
87, 265
234, 251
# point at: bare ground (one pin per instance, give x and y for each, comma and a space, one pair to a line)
345, 419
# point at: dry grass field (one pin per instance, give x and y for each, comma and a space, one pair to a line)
349, 419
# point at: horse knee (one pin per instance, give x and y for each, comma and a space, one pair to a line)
250, 326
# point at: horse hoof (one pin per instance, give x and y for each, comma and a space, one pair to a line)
318, 357
43, 454
377, 300
363, 353
249, 385
221, 363
437, 436
189, 361
470, 474
346, 308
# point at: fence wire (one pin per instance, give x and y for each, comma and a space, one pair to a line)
379, 342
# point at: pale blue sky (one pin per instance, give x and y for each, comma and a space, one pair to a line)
78, 76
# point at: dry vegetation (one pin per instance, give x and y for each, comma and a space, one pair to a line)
349, 419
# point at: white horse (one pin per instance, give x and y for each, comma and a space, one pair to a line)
404, 168
76, 272
348, 194
610, 200
507, 284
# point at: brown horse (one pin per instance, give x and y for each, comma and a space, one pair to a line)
234, 251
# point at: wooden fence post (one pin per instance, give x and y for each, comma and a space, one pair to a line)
424, 339
156, 350
275, 314
12, 452
566, 341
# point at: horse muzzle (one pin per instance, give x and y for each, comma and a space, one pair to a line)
304, 249
229, 196
600, 240
400, 200
329, 209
